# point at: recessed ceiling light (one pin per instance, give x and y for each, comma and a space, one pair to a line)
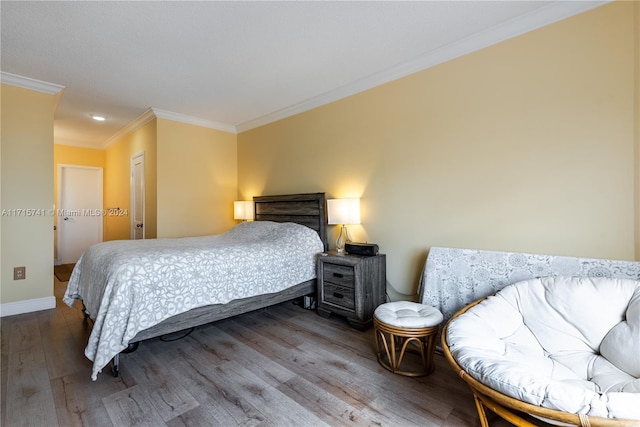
98, 118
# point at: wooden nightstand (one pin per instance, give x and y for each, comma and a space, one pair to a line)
351, 286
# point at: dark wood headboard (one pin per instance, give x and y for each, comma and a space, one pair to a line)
306, 209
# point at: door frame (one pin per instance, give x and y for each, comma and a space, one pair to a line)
132, 189
58, 208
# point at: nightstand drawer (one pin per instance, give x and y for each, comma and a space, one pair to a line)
338, 274
341, 296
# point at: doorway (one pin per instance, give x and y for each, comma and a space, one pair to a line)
79, 213
137, 196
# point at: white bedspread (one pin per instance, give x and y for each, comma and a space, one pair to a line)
128, 286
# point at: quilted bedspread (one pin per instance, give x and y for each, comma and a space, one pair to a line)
128, 286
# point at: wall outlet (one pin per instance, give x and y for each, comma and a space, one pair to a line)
19, 273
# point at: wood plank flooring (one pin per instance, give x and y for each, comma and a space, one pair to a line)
282, 366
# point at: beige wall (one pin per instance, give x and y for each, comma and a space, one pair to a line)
197, 179
27, 183
527, 145
190, 179
117, 175
71, 155
637, 133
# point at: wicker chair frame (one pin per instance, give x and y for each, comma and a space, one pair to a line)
512, 409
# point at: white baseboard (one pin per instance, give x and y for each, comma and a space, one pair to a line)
27, 306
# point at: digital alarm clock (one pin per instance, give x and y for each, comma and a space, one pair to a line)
366, 249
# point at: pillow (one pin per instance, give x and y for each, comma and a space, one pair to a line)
621, 345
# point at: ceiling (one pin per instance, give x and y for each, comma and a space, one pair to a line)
235, 65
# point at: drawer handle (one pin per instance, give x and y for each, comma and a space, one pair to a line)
338, 295
338, 275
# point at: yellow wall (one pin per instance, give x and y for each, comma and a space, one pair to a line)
117, 175
197, 179
527, 145
27, 183
637, 120
190, 180
71, 155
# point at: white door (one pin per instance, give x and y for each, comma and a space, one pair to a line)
137, 196
80, 214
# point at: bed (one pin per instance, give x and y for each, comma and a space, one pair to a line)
134, 290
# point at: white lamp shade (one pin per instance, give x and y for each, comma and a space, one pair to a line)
243, 210
343, 211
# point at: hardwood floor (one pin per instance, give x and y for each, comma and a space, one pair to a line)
276, 367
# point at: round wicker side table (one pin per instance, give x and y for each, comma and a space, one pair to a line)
401, 327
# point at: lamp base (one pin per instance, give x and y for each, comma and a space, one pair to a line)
342, 239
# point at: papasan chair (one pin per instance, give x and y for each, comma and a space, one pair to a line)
565, 350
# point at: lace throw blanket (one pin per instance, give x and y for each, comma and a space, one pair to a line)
453, 278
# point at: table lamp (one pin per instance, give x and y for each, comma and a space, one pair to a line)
243, 209
343, 211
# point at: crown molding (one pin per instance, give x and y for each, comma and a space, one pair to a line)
183, 118
29, 83
152, 113
139, 121
538, 18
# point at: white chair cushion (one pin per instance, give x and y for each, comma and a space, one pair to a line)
407, 314
621, 345
539, 341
